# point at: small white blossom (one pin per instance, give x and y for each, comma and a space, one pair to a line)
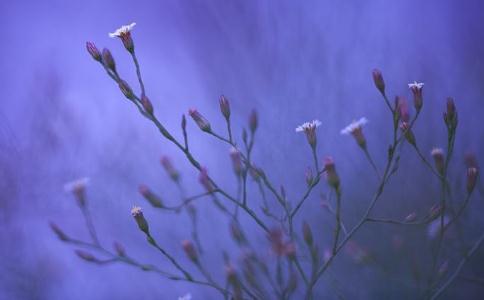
437, 152
308, 126
76, 185
417, 85
186, 297
354, 126
136, 211
122, 30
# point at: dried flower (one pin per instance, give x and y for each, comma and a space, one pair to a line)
356, 129
253, 121
137, 213
331, 175
236, 161
438, 155
124, 33
78, 189
152, 198
225, 107
205, 180
472, 174
309, 128
190, 250
108, 60
378, 80
416, 88
170, 170
60, 234
307, 234
93, 51
407, 133
126, 89
147, 106
202, 123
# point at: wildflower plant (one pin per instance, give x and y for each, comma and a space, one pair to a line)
300, 260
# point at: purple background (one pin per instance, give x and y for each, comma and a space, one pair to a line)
61, 118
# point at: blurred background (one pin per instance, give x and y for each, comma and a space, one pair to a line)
62, 118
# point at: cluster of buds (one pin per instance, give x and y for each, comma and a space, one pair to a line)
200, 120
190, 250
378, 80
138, 216
152, 198
309, 128
439, 160
205, 181
355, 128
416, 88
450, 116
78, 189
169, 168
124, 33
236, 158
331, 174
225, 107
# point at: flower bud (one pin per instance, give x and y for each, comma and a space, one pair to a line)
402, 109
126, 89
236, 161
331, 175
237, 233
290, 250
378, 80
438, 155
224, 107
309, 176
92, 49
307, 234
119, 248
108, 60
170, 170
147, 106
152, 198
137, 213
253, 121
450, 116
86, 256
416, 89
234, 281
202, 123
471, 160
190, 250
472, 174
78, 189
60, 234
205, 180
407, 133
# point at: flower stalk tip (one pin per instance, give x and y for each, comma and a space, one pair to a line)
224, 107
378, 80
138, 216
93, 51
200, 120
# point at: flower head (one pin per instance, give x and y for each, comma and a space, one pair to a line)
124, 33
438, 155
355, 129
136, 211
416, 85
309, 128
416, 88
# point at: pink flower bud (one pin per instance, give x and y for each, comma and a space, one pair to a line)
126, 89
402, 109
253, 121
307, 234
450, 116
92, 49
119, 248
378, 80
60, 234
331, 175
170, 170
236, 161
137, 214
472, 174
438, 155
152, 198
202, 123
407, 133
147, 106
190, 250
86, 256
108, 60
224, 107
205, 180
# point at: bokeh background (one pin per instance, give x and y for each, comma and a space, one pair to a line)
62, 118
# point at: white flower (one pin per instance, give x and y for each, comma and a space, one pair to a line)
122, 30
308, 126
136, 211
76, 185
417, 85
186, 297
354, 126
